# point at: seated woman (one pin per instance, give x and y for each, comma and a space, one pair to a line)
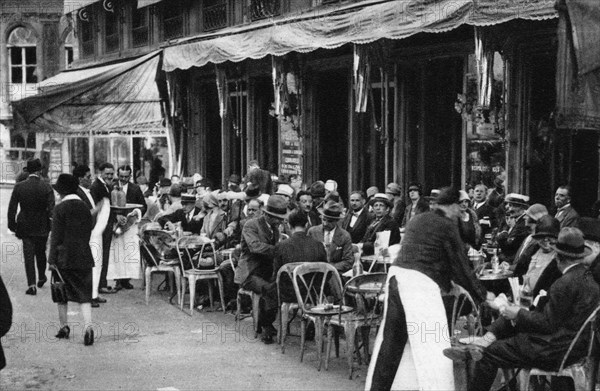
469, 228
382, 206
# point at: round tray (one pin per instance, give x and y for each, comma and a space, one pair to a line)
320, 310
489, 274
126, 207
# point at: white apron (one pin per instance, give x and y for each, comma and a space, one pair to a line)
423, 365
96, 243
125, 260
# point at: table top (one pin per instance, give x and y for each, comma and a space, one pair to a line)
367, 287
490, 275
320, 310
376, 258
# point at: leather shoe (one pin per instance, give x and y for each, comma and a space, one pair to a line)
107, 290
31, 291
126, 285
63, 332
88, 339
100, 299
464, 353
41, 283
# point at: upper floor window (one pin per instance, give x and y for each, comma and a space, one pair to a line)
86, 29
140, 27
22, 55
111, 31
172, 20
214, 14
261, 9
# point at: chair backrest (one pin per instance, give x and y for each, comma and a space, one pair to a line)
462, 297
287, 269
150, 255
311, 281
591, 323
366, 290
183, 250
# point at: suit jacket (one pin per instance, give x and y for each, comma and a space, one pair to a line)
509, 242
432, 245
422, 206
489, 212
523, 256
134, 195
81, 194
179, 216
258, 250
36, 201
72, 226
398, 211
363, 220
568, 217
545, 333
300, 247
99, 190
5, 318
313, 218
262, 178
339, 251
387, 223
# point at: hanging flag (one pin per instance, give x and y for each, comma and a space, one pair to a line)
361, 76
484, 59
222, 89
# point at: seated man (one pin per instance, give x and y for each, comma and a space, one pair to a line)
189, 216
336, 240
300, 247
540, 338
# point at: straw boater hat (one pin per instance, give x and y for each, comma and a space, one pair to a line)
66, 184
380, 197
285, 190
517, 199
277, 207
332, 210
570, 244
546, 226
330, 185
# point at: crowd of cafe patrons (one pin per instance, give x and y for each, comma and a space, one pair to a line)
446, 237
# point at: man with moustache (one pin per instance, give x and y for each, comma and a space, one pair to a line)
305, 202
514, 233
565, 213
485, 212
358, 219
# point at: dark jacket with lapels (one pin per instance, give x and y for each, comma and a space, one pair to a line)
360, 226
35, 198
387, 223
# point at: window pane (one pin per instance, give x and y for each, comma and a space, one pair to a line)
139, 17
110, 23
15, 56
31, 75
31, 140
21, 37
17, 75
30, 58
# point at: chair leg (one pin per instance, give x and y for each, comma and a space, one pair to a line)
182, 291
255, 314
365, 330
319, 339
336, 336
221, 292
177, 277
211, 297
192, 284
284, 312
302, 337
147, 274
350, 342
328, 348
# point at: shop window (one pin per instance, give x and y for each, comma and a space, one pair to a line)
68, 56
172, 20
17, 141
140, 27
31, 140
86, 28
262, 9
111, 31
22, 55
214, 14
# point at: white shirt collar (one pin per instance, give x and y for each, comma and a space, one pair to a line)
564, 207
71, 197
568, 268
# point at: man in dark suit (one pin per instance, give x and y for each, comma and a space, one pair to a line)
417, 203
255, 268
305, 202
5, 318
541, 338
358, 218
300, 247
516, 229
259, 177
336, 240
189, 216
84, 176
100, 189
383, 222
32, 225
565, 213
133, 195
485, 212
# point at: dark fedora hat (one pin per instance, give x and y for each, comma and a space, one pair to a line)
66, 184
546, 226
164, 182
570, 244
277, 207
34, 165
317, 189
332, 210
590, 228
188, 199
252, 191
381, 197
